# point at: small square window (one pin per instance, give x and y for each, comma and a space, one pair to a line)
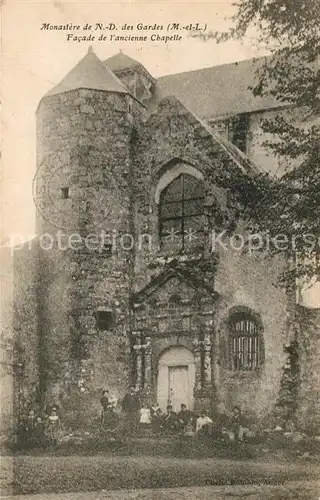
107, 249
65, 193
104, 320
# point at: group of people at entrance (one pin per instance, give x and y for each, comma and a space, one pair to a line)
140, 418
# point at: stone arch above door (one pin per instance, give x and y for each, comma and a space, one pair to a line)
176, 377
176, 355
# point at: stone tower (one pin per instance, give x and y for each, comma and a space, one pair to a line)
85, 153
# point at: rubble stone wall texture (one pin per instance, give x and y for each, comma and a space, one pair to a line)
247, 281
241, 280
97, 144
170, 137
85, 142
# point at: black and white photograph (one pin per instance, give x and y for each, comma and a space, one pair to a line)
160, 250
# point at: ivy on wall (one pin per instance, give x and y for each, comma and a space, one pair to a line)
288, 401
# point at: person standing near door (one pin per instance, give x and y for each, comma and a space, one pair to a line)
131, 409
104, 401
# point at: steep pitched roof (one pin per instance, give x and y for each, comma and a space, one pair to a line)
217, 91
121, 61
89, 73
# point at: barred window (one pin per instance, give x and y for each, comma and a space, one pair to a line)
245, 342
181, 213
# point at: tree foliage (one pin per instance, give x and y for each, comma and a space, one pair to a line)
288, 204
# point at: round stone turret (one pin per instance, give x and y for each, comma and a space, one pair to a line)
84, 132
83, 192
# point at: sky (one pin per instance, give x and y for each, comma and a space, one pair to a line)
35, 60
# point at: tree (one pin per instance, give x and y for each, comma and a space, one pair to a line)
289, 205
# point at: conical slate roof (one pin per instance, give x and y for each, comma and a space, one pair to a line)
89, 73
121, 61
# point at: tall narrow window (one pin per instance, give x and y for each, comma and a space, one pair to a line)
245, 342
182, 211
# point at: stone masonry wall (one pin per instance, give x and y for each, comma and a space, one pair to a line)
96, 144
85, 141
249, 281
173, 133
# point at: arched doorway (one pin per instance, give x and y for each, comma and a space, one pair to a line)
176, 378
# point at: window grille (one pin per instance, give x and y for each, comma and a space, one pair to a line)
181, 213
245, 343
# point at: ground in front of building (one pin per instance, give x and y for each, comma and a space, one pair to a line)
299, 490
29, 475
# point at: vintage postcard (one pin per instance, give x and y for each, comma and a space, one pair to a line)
160, 250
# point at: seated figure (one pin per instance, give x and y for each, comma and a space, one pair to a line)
204, 424
236, 427
170, 421
145, 417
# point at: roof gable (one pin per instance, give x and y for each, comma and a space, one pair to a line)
176, 270
171, 106
89, 73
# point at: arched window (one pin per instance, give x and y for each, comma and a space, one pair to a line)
181, 211
245, 341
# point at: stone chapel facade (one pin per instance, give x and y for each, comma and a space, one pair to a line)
159, 303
